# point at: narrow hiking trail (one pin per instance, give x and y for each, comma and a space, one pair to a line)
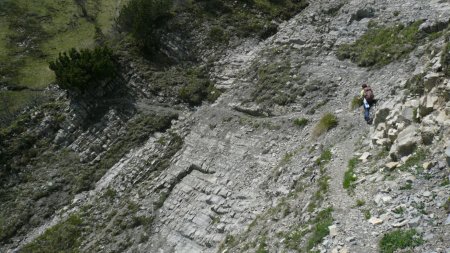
352, 233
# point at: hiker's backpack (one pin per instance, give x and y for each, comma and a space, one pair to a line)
368, 94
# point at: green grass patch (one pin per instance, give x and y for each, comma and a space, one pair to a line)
380, 46
367, 214
12, 102
272, 86
262, 247
35, 73
324, 158
349, 176
63, 237
323, 220
415, 160
293, 239
327, 122
301, 122
400, 239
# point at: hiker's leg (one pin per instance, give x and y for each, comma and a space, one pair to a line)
366, 114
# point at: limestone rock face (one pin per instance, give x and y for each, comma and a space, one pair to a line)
405, 143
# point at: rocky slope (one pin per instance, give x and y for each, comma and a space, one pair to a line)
239, 175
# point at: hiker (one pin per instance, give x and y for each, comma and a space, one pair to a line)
368, 101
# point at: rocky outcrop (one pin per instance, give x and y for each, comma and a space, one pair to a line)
231, 177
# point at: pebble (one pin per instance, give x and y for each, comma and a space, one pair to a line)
427, 194
391, 165
350, 239
333, 230
400, 224
375, 221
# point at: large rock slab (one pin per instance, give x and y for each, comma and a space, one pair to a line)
406, 143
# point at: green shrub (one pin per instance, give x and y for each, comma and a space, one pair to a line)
381, 45
83, 71
399, 239
327, 122
300, 122
63, 237
145, 20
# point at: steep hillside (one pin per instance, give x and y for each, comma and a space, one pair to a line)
246, 138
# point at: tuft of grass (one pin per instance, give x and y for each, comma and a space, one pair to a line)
399, 210
447, 205
367, 214
301, 122
287, 158
381, 45
407, 186
399, 239
63, 237
356, 102
324, 158
349, 177
445, 182
360, 202
327, 122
